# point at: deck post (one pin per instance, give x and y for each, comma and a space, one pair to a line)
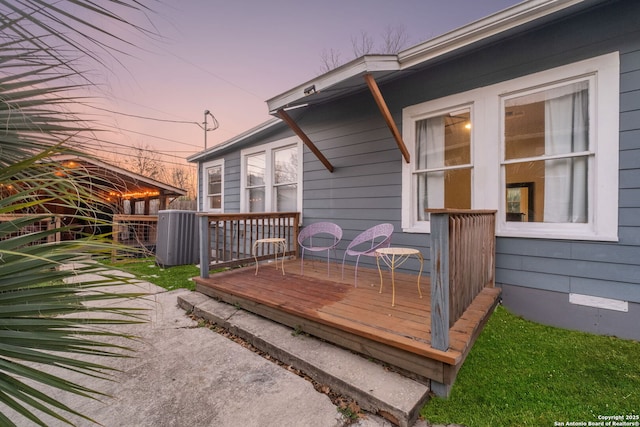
440, 281
204, 246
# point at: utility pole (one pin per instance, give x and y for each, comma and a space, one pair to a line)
206, 129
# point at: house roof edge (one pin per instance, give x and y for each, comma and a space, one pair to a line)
235, 140
387, 65
481, 29
359, 66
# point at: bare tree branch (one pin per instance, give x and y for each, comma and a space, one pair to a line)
362, 45
144, 161
395, 39
330, 59
185, 178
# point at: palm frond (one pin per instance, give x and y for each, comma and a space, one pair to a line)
52, 316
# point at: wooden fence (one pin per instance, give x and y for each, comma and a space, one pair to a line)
184, 205
462, 264
139, 231
226, 240
43, 224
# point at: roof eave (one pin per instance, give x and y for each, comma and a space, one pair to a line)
357, 67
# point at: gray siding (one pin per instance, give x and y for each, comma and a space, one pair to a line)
609, 270
366, 185
365, 188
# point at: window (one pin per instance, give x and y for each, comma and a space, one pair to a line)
213, 175
442, 175
271, 177
285, 179
546, 146
542, 150
255, 189
214, 187
440, 135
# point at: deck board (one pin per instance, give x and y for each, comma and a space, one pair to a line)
337, 307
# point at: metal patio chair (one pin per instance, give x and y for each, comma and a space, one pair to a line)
366, 243
327, 235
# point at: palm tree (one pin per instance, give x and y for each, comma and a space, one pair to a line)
44, 46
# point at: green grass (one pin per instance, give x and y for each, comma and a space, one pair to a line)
170, 278
521, 373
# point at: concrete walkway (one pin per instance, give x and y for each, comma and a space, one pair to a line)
375, 388
183, 374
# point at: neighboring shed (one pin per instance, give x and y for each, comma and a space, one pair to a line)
131, 201
128, 192
533, 111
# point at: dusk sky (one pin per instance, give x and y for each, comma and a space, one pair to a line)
230, 56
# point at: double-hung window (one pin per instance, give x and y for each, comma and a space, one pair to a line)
442, 177
541, 150
548, 153
441, 174
285, 179
271, 177
255, 169
213, 175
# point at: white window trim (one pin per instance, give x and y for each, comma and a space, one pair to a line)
268, 149
488, 190
205, 185
415, 114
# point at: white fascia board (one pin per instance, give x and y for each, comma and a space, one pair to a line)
359, 66
235, 140
497, 23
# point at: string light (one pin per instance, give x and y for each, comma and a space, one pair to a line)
135, 195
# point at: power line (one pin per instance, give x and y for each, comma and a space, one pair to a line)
98, 146
142, 117
216, 76
152, 136
200, 125
164, 162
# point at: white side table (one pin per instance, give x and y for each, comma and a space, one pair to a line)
278, 244
394, 258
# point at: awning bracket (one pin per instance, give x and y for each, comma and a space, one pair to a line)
386, 114
296, 129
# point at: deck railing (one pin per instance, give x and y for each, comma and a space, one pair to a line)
462, 264
226, 240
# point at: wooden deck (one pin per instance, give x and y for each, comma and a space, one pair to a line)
358, 318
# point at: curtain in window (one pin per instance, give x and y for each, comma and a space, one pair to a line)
285, 180
256, 167
430, 154
566, 131
214, 188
